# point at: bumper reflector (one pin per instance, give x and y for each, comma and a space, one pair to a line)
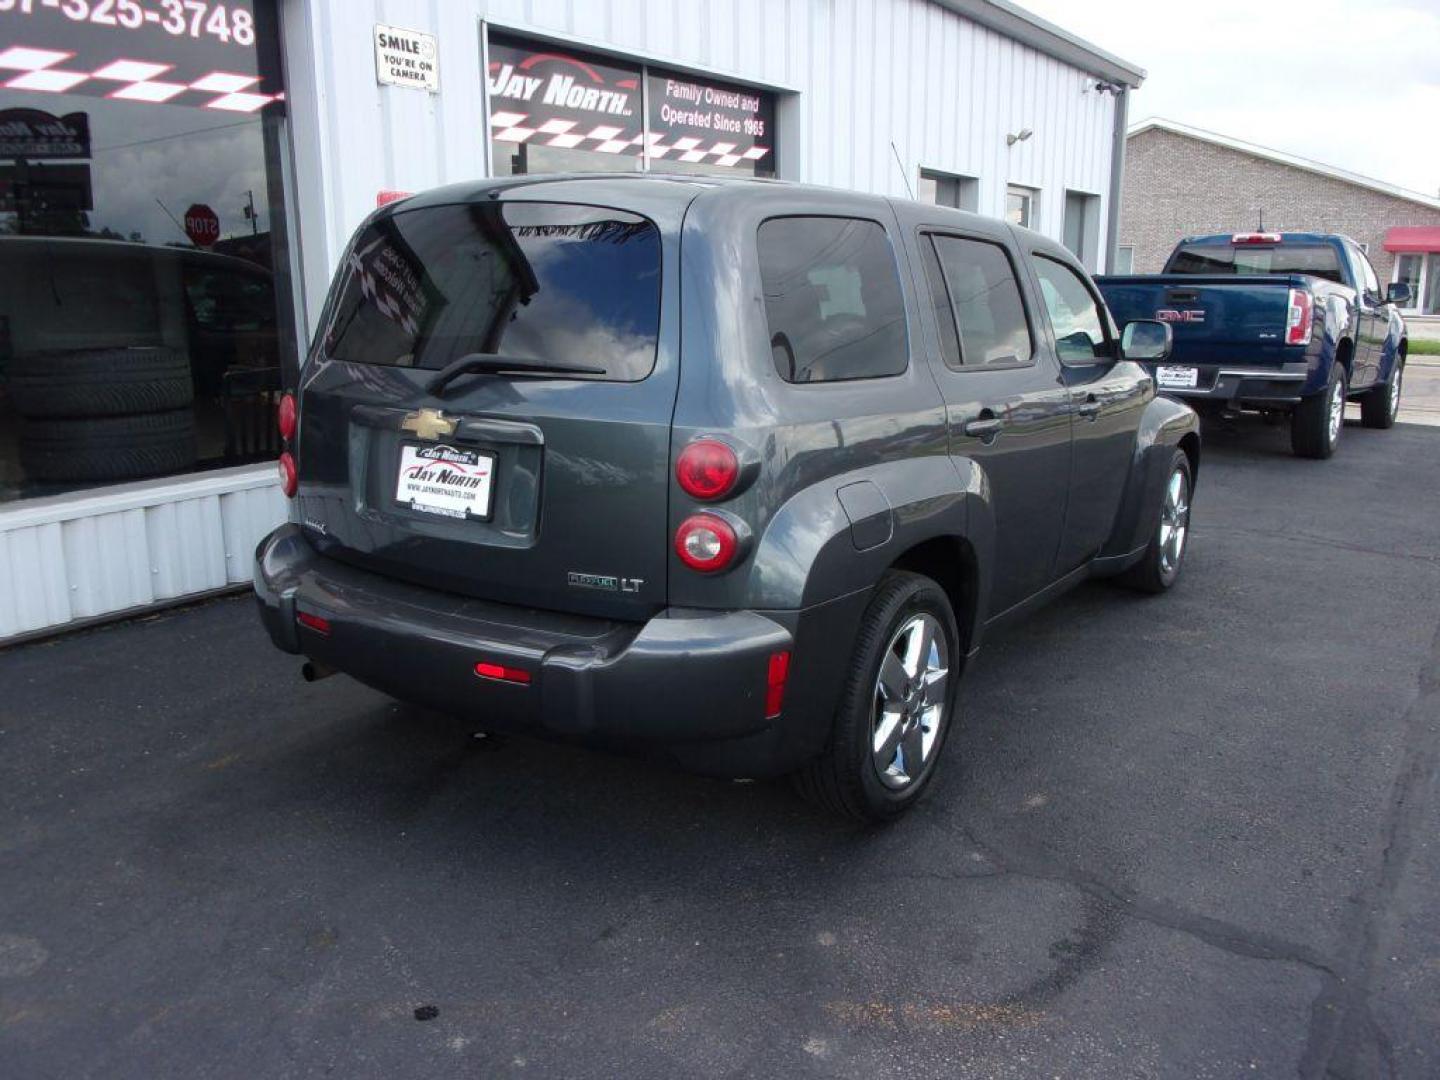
775, 683
314, 622
486, 670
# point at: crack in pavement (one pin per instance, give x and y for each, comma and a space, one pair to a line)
1345, 1039
1321, 541
1217, 933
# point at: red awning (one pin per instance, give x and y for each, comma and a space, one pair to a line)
1413, 238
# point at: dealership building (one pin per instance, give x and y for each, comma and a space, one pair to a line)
178, 182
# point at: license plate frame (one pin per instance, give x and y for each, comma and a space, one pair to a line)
438, 473
1177, 377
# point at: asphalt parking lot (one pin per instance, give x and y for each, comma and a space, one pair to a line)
1189, 836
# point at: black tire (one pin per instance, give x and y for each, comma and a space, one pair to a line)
100, 382
1378, 408
845, 778
1312, 434
1160, 568
108, 448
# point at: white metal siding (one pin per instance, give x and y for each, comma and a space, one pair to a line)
125, 547
864, 73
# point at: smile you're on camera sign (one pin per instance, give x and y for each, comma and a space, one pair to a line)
406, 58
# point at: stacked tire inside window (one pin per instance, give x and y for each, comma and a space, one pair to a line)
104, 414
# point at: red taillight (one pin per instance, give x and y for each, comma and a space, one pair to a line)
1255, 238
314, 622
487, 670
706, 543
775, 683
286, 416
1299, 318
707, 469
289, 478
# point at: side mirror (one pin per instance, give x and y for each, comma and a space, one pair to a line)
1398, 293
1146, 339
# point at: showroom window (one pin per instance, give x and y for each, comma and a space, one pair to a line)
142, 242
555, 109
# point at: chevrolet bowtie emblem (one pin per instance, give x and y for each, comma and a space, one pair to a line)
428, 424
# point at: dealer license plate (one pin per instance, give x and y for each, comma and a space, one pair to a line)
1177, 378
445, 480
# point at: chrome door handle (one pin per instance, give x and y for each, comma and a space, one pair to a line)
984, 427
1088, 409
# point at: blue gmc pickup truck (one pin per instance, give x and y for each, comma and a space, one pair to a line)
1289, 323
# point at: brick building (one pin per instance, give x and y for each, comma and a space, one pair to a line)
1182, 181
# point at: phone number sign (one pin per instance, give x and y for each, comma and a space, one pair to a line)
156, 52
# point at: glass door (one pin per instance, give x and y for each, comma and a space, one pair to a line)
1430, 284
1410, 268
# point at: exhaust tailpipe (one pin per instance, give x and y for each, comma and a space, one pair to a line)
313, 672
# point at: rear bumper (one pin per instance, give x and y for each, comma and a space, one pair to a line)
1237, 385
685, 676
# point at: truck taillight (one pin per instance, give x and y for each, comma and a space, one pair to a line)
1255, 238
706, 542
1300, 318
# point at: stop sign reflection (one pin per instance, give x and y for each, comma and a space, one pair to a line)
202, 225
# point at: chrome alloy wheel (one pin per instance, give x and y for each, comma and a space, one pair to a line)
1337, 410
910, 701
1174, 523
1393, 393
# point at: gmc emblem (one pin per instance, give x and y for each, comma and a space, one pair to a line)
1171, 315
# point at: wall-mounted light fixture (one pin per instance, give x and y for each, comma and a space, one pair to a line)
1018, 136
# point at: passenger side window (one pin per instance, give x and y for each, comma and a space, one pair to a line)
975, 290
1074, 314
832, 299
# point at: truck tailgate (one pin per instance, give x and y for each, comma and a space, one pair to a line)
1224, 319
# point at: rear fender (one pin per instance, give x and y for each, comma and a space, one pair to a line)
1164, 424
838, 536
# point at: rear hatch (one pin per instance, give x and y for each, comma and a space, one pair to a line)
519, 480
1215, 319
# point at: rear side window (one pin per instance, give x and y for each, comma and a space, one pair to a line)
537, 281
976, 281
1320, 260
832, 299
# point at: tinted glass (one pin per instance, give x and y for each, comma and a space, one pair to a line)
1321, 260
832, 299
940, 302
1074, 314
537, 281
986, 297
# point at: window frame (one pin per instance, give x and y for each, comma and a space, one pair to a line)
1107, 327
899, 285
1031, 195
964, 185
925, 234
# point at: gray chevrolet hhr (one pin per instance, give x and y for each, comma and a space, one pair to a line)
738, 471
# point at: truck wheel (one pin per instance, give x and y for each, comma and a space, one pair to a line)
1315, 427
896, 705
1380, 406
108, 447
100, 382
1160, 568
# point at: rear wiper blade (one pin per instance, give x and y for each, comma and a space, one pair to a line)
496, 364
